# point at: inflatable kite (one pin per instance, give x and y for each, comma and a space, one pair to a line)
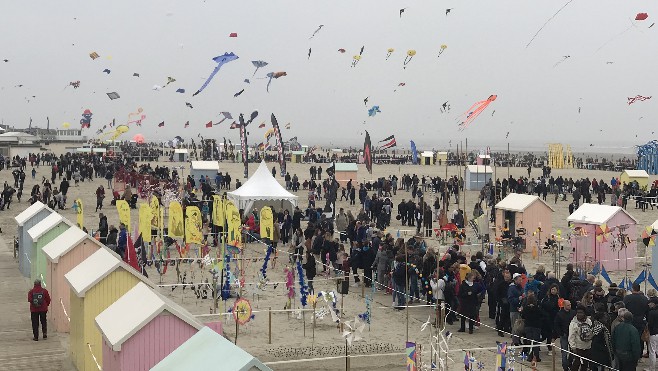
475, 111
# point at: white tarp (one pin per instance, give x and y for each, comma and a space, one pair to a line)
260, 187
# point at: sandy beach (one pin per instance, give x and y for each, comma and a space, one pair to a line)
293, 337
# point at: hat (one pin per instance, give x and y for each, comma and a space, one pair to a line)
515, 275
613, 287
653, 300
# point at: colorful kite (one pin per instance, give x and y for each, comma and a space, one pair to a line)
220, 60
388, 142
475, 111
373, 111
367, 153
85, 121
355, 60
274, 75
637, 98
94, 55
641, 16
258, 64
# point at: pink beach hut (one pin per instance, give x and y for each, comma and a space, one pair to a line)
596, 236
64, 253
141, 328
519, 211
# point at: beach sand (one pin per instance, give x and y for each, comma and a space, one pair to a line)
292, 337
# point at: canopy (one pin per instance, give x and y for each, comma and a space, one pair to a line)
260, 187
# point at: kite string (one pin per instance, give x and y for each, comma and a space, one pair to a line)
544, 25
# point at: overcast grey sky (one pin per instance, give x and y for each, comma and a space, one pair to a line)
48, 43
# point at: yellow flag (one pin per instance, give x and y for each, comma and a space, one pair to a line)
175, 219
266, 223
145, 222
80, 213
124, 212
193, 225
234, 222
217, 211
155, 212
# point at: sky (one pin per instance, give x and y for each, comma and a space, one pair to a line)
580, 101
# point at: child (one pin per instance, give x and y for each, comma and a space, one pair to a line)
34, 173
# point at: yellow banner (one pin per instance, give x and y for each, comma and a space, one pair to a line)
145, 221
124, 213
175, 219
217, 211
80, 212
193, 225
266, 223
155, 212
233, 221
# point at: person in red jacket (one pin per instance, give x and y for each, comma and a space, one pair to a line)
39, 300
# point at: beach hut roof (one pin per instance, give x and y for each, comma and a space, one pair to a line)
205, 165
29, 213
193, 355
427, 154
636, 173
473, 169
596, 214
45, 225
180, 150
519, 202
96, 267
134, 310
345, 166
63, 243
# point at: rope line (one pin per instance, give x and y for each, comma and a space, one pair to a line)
64, 309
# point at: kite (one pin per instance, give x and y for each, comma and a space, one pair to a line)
220, 60
637, 98
564, 58
238, 93
5, 60
361, 52
188, 104
258, 64
85, 121
135, 74
274, 75
309, 53
409, 57
443, 48
448, 11
180, 90
139, 138
365, 101
402, 11
66, 125
641, 16
638, 17
227, 116
138, 113
170, 80
367, 153
475, 110
648, 27
373, 111
389, 142
341, 50
316, 31
233, 34
355, 60
113, 95
400, 84
389, 52
107, 71
545, 23
156, 87
247, 81
74, 84
288, 127
94, 55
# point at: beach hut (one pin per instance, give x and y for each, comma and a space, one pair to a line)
427, 158
42, 234
297, 157
639, 176
476, 177
95, 284
442, 157
142, 328
209, 351
346, 172
64, 253
592, 244
205, 168
30, 217
181, 155
519, 211
483, 160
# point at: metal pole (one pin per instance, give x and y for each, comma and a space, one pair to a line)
406, 262
269, 326
508, 160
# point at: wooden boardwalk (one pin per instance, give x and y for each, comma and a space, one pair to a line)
17, 349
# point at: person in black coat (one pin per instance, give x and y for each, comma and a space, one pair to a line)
367, 258
534, 321
468, 303
310, 269
501, 286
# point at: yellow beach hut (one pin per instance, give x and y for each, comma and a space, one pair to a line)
639, 176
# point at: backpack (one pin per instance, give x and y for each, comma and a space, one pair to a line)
585, 332
37, 299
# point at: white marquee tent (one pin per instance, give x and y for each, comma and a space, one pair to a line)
261, 186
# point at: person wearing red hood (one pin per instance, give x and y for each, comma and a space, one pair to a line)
39, 300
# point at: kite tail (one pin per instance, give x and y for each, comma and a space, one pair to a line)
214, 72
